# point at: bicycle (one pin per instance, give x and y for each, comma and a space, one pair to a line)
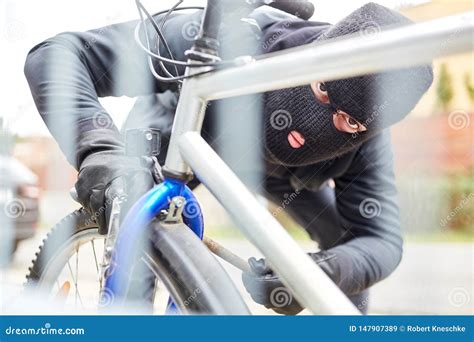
169, 215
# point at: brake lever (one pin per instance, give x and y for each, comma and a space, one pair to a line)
155, 167
303, 9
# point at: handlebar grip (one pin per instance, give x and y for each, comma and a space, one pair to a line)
301, 8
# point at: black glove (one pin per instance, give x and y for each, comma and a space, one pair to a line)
106, 172
266, 288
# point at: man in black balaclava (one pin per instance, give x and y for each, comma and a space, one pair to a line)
326, 145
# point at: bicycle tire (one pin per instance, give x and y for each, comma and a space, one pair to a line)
194, 278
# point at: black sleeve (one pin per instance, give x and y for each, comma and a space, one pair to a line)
67, 74
367, 204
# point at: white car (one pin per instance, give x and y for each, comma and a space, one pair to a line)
19, 203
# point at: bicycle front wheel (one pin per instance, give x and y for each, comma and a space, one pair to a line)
177, 258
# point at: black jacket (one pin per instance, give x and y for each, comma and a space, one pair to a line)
69, 72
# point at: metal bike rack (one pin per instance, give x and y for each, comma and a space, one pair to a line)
187, 151
397, 48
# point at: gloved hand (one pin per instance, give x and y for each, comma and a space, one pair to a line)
107, 173
266, 288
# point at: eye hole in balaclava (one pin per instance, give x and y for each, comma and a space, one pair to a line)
295, 113
299, 128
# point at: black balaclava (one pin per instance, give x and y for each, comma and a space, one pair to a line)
376, 100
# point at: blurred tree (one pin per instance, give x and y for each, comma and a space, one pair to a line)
469, 86
445, 88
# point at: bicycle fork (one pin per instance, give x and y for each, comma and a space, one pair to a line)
112, 232
125, 242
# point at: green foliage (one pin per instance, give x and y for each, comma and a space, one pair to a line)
469, 86
459, 192
444, 89
437, 204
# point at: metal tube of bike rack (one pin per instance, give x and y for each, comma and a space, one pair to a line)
311, 286
357, 55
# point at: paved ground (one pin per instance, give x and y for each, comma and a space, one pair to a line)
433, 278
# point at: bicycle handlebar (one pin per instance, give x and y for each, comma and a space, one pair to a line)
208, 41
300, 8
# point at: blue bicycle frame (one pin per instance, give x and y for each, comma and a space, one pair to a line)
134, 227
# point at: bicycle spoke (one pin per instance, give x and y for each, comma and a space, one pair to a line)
95, 256
77, 274
96, 264
75, 283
